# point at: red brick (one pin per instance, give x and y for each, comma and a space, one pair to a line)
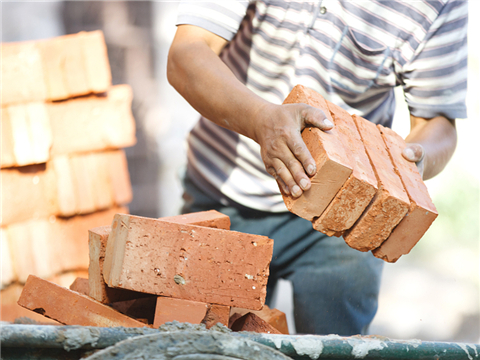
391, 202
194, 312
11, 311
97, 242
66, 197
80, 285
358, 190
421, 212
51, 246
67, 278
119, 176
55, 69
274, 317
98, 238
64, 67
95, 56
188, 262
216, 314
93, 123
69, 307
252, 322
66, 186
27, 193
8, 274
22, 73
7, 154
83, 178
210, 218
170, 309
27, 134
333, 165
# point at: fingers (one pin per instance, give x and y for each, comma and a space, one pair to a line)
283, 174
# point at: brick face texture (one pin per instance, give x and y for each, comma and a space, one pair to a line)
358, 190
333, 165
421, 212
391, 202
97, 242
188, 262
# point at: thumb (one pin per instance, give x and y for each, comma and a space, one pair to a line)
413, 152
316, 117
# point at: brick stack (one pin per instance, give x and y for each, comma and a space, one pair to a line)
62, 170
364, 190
146, 272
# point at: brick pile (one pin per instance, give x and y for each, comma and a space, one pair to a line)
147, 272
364, 190
62, 168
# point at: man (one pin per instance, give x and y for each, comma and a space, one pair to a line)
235, 62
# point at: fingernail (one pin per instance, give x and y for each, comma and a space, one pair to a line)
327, 123
409, 154
304, 184
296, 191
311, 169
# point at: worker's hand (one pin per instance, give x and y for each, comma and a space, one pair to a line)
415, 153
283, 150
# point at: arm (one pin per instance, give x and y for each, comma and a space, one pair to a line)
431, 143
197, 73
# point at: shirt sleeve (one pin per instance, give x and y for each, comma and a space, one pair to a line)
221, 17
435, 80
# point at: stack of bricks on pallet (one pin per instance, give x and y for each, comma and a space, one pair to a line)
62, 168
187, 268
364, 190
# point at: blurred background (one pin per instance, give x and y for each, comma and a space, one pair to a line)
431, 294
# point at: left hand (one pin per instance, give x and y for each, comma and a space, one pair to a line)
415, 153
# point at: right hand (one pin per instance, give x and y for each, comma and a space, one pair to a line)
284, 153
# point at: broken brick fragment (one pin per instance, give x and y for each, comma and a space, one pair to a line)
358, 190
333, 165
252, 322
390, 203
188, 262
216, 314
422, 211
274, 317
69, 307
80, 285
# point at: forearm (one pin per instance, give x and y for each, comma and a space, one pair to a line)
199, 75
438, 138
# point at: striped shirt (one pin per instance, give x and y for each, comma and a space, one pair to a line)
352, 52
